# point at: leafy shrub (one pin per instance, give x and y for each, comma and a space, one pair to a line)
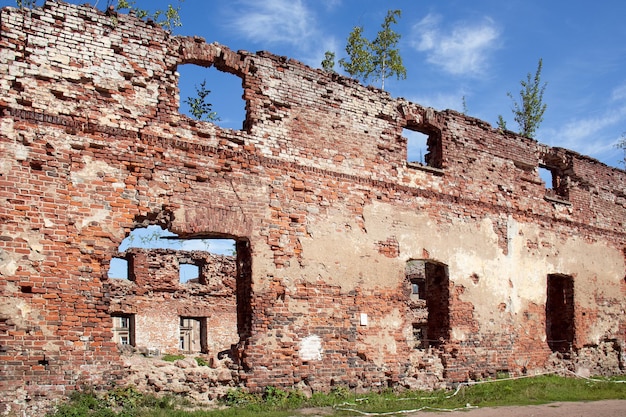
238, 397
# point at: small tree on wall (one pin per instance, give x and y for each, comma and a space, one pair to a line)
621, 144
528, 113
199, 107
379, 58
328, 64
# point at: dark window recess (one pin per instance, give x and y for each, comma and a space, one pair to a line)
560, 312
429, 301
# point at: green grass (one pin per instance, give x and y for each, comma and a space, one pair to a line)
275, 402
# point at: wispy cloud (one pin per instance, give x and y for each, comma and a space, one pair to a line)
462, 51
594, 136
275, 21
441, 101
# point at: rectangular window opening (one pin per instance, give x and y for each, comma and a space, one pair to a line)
429, 282
423, 148
420, 335
189, 273
118, 268
193, 335
124, 329
555, 182
560, 312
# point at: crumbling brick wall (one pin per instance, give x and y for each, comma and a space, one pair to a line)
156, 300
318, 194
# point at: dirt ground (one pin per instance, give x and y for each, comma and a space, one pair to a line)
608, 408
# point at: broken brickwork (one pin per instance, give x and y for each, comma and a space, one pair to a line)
326, 212
157, 303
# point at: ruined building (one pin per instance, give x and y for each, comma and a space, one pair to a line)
353, 265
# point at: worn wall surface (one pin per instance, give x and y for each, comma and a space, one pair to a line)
156, 299
325, 209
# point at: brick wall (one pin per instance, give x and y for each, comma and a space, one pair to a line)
317, 193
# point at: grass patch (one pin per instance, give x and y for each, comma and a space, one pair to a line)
172, 358
275, 402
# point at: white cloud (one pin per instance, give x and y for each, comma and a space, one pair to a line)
275, 21
619, 93
441, 101
462, 51
593, 136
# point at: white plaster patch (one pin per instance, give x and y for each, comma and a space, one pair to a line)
311, 348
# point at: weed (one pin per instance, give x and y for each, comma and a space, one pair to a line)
201, 361
172, 358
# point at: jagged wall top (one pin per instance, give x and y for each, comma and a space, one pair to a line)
93, 72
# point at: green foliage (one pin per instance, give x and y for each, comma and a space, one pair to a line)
528, 113
168, 19
501, 123
387, 59
378, 59
199, 107
328, 64
621, 144
201, 361
172, 358
237, 397
119, 402
26, 4
125, 397
358, 48
276, 402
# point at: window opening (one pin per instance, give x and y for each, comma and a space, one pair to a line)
154, 237
221, 298
429, 301
224, 104
556, 183
193, 335
423, 148
124, 329
417, 146
118, 268
560, 312
188, 273
546, 176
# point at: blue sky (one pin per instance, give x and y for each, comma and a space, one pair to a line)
454, 49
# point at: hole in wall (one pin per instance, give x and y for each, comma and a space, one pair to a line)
154, 237
215, 283
118, 268
430, 280
417, 146
124, 329
188, 272
546, 176
423, 147
223, 104
560, 312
